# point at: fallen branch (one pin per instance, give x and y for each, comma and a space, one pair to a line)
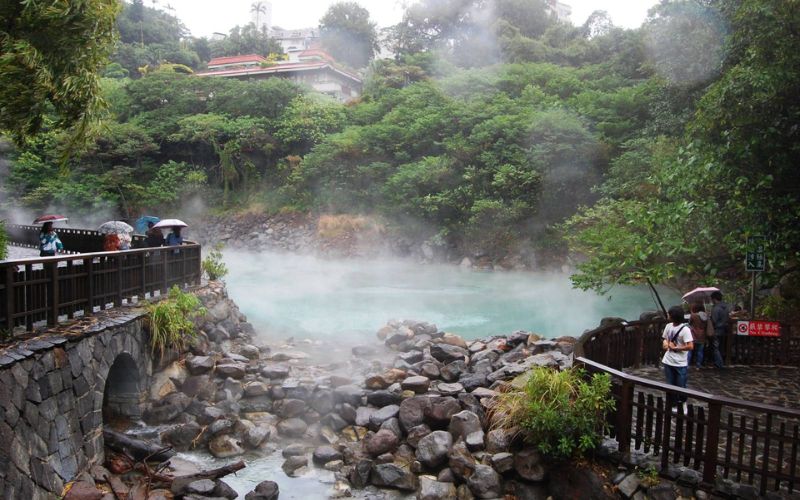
179, 483
136, 448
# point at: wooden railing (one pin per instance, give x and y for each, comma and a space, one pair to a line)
46, 290
741, 440
637, 343
74, 240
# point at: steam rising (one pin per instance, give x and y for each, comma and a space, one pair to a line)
306, 297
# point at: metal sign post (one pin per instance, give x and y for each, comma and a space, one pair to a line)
755, 262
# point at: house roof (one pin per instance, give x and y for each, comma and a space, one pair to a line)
221, 61
281, 68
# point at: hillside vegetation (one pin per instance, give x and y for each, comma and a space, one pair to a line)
648, 153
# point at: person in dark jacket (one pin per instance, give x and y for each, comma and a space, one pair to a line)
49, 242
720, 317
153, 237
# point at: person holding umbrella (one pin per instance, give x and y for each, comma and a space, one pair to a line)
154, 236
49, 242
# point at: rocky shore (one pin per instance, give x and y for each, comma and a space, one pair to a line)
406, 413
346, 236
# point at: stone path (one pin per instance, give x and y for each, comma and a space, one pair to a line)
773, 385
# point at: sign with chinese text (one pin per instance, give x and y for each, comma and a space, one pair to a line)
758, 328
756, 254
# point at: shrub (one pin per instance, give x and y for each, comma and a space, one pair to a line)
3, 240
171, 321
213, 266
562, 413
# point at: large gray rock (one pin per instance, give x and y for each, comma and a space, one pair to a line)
417, 433
254, 436
528, 464
460, 461
382, 398
441, 411
448, 353
383, 441
498, 440
266, 490
225, 446
231, 369
198, 365
432, 449
324, 454
485, 482
275, 370
289, 408
418, 384
377, 418
464, 423
351, 394
293, 427
393, 476
431, 489
453, 371
293, 464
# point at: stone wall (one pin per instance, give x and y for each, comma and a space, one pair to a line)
52, 390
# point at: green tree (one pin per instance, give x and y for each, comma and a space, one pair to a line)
51, 54
348, 34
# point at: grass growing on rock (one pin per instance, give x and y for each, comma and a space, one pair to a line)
562, 413
171, 321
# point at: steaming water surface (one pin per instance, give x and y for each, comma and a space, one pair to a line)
306, 297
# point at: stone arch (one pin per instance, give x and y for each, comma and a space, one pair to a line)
122, 393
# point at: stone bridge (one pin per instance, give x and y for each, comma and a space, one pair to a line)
57, 390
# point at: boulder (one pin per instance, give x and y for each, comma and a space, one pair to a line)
293, 450
449, 389
453, 371
448, 353
182, 436
499, 440
256, 388
293, 463
199, 386
363, 413
460, 461
382, 398
383, 441
431, 489
292, 427
289, 408
230, 369
198, 365
393, 425
167, 409
351, 394
464, 423
385, 379
203, 487
266, 490
225, 446
441, 410
528, 464
324, 454
255, 435
377, 418
502, 462
418, 384
571, 481
473, 381
412, 411
432, 449
275, 370
485, 482
452, 339
417, 433
359, 474
393, 476
430, 370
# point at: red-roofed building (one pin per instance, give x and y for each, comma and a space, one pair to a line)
231, 62
314, 68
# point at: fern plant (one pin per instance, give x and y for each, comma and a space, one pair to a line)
562, 413
213, 266
171, 321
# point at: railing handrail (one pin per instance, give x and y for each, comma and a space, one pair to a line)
70, 257
601, 330
702, 396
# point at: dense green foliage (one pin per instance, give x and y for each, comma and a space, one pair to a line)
649, 153
348, 35
170, 321
213, 265
50, 56
3, 240
562, 413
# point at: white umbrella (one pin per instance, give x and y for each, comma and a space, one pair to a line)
171, 223
115, 227
700, 293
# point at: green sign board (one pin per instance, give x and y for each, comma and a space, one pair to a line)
756, 254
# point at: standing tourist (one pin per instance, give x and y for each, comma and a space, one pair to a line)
698, 321
677, 343
720, 317
49, 243
174, 238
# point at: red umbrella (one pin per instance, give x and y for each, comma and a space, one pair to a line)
701, 293
49, 218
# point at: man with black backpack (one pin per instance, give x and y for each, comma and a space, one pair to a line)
678, 342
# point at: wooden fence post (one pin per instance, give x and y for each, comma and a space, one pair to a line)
624, 419
88, 263
712, 442
9, 305
52, 313
118, 299
164, 271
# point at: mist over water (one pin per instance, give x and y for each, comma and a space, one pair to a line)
287, 295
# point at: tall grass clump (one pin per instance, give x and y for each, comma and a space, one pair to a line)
562, 413
171, 321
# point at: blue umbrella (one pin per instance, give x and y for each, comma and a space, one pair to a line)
141, 223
